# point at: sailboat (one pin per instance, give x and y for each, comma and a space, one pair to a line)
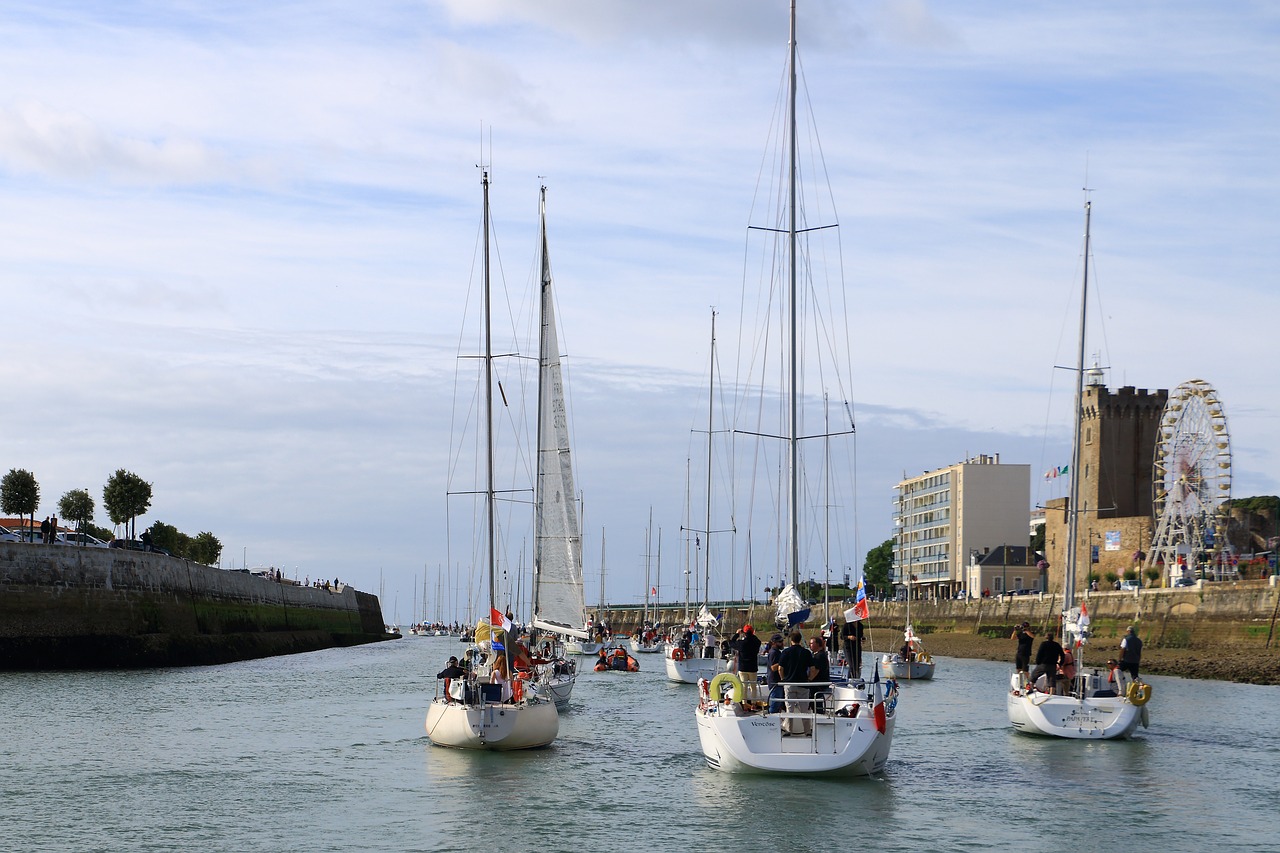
592, 640
558, 605
469, 714
647, 639
911, 662
1088, 707
686, 661
848, 730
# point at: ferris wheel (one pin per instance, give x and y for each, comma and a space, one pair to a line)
1191, 477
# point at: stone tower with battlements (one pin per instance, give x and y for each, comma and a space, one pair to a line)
1118, 437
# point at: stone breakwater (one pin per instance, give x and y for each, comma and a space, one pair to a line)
63, 607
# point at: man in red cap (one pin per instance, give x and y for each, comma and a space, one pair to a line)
748, 662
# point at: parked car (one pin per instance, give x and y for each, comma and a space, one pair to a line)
82, 539
1129, 586
1184, 582
137, 545
25, 534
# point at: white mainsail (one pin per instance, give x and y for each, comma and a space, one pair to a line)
558, 603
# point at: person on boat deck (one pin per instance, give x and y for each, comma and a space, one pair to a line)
1048, 657
747, 660
908, 651
500, 675
1067, 669
1115, 680
450, 672
732, 646
708, 645
794, 666
773, 674
619, 661
1130, 653
821, 668
851, 637
522, 658
1022, 659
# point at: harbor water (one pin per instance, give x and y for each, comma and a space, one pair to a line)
326, 752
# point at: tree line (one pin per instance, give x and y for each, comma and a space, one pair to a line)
124, 497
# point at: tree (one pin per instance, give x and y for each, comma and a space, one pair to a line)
878, 566
99, 532
20, 493
1037, 539
125, 497
76, 506
170, 538
206, 548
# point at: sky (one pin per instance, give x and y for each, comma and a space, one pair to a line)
240, 247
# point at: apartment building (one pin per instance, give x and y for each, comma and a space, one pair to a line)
944, 516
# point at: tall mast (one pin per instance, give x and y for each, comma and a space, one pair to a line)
488, 403
1073, 518
657, 585
648, 559
711, 403
542, 361
792, 509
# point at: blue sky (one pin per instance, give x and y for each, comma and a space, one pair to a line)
239, 240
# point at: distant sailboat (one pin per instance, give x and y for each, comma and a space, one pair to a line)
647, 639
911, 662
686, 661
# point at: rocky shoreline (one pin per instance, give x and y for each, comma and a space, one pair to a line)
1241, 665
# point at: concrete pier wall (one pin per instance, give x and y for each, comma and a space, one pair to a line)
68, 607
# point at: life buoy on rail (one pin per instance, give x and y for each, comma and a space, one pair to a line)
677, 653
1139, 693
734, 682
517, 688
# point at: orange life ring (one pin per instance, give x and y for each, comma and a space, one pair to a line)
677, 653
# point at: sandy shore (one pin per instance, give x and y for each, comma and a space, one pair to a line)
1253, 666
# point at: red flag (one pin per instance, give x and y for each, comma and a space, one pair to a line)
860, 607
653, 591
498, 620
877, 708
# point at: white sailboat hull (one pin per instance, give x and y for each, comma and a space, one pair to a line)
1090, 718
689, 670
737, 742
556, 689
582, 647
491, 726
641, 648
893, 666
